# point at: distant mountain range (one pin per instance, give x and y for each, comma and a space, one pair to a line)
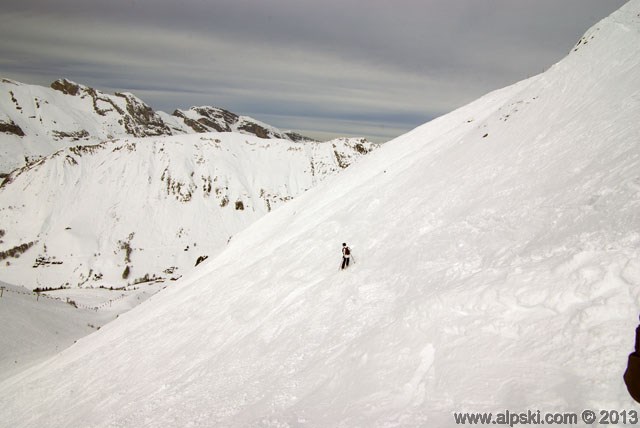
36, 121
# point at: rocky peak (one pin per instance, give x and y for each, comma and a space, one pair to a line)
66, 87
298, 138
142, 120
217, 112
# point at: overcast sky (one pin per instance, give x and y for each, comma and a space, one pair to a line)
369, 68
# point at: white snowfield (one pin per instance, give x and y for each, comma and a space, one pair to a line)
497, 256
128, 211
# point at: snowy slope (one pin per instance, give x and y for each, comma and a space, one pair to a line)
36, 121
35, 327
50, 327
126, 211
497, 267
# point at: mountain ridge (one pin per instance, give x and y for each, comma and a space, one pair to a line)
36, 121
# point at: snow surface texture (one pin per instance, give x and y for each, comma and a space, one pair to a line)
36, 121
129, 211
497, 266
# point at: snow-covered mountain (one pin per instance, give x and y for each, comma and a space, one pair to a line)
128, 211
36, 121
497, 266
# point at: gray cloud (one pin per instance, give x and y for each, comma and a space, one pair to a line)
374, 68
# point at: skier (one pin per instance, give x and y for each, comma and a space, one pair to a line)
632, 374
346, 254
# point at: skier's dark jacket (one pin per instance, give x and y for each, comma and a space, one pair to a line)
632, 374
